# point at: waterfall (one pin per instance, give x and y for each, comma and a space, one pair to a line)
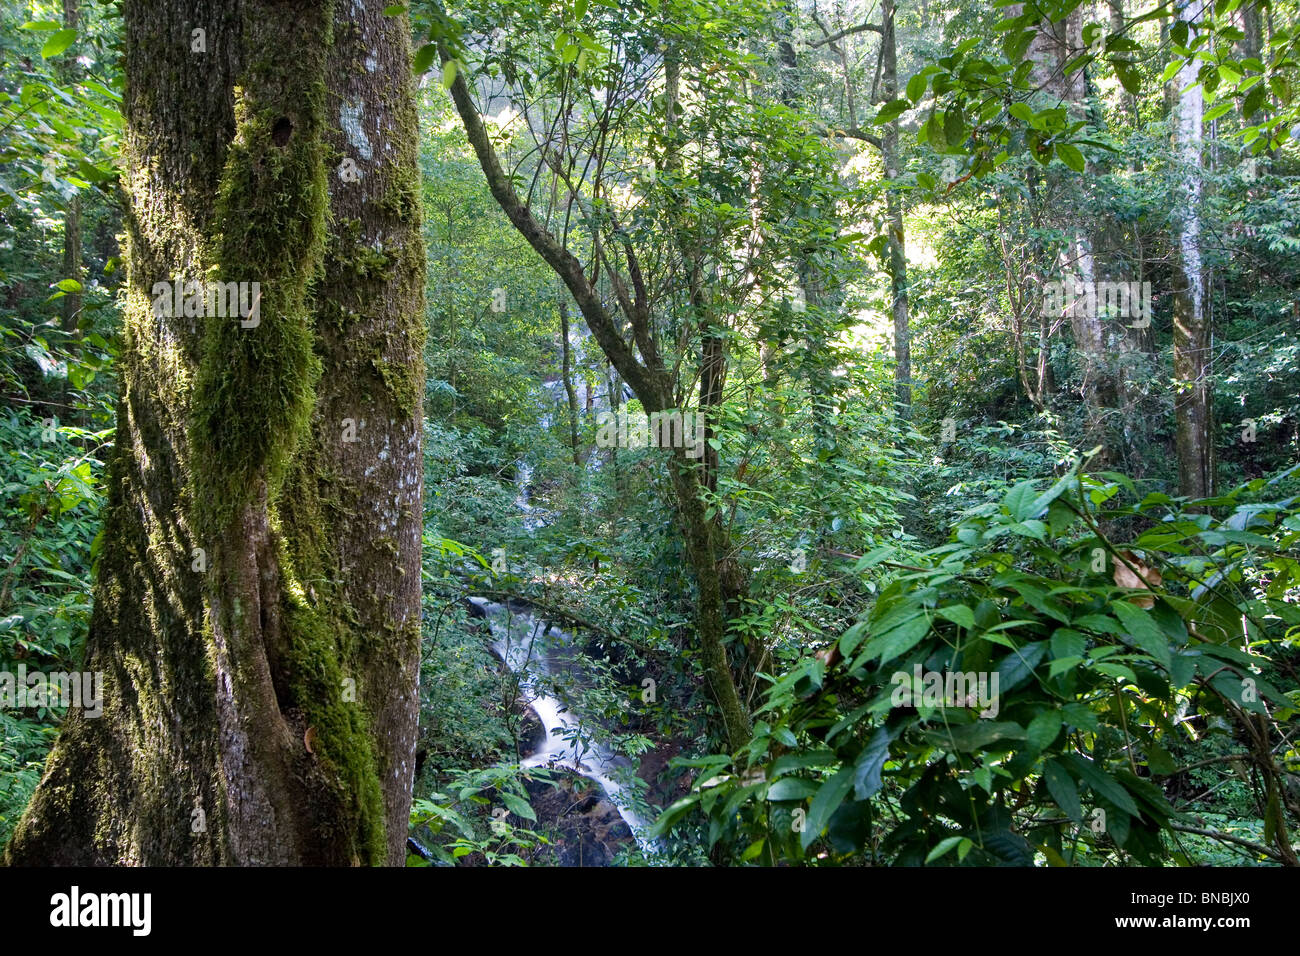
527, 646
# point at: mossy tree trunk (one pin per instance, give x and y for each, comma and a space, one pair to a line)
258, 595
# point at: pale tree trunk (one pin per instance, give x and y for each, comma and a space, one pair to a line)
257, 604
566, 370
1192, 335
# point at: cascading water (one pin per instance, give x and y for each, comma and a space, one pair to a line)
526, 646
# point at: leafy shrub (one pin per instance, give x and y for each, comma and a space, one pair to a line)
1108, 659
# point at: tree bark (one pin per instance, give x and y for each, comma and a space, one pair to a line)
72, 216
566, 371
1053, 47
257, 602
898, 292
1192, 335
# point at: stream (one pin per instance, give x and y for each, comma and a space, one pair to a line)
530, 650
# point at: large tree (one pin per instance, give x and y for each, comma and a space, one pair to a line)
1192, 328
257, 601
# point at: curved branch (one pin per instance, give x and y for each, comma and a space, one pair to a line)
565, 264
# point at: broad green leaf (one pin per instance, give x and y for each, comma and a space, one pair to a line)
1043, 729
916, 87
791, 788
942, 847
829, 797
1101, 782
1142, 630
959, 614
1071, 156
424, 58
1063, 790
870, 763
57, 43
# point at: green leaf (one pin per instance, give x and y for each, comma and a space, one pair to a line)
1129, 77
1018, 666
1142, 630
916, 87
954, 125
942, 847
424, 58
1067, 643
892, 110
1019, 501
959, 614
870, 763
58, 43
932, 132
827, 801
791, 788
1159, 761
1063, 790
899, 639
1043, 729
673, 814
1071, 156
969, 737
1118, 671
1102, 783
518, 805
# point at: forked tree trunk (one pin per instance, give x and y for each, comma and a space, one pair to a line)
257, 601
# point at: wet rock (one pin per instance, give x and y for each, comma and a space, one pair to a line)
585, 827
531, 732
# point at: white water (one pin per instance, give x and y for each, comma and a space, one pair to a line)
520, 641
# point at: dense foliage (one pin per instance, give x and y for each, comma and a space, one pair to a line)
970, 612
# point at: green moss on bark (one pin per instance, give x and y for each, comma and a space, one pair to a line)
255, 386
